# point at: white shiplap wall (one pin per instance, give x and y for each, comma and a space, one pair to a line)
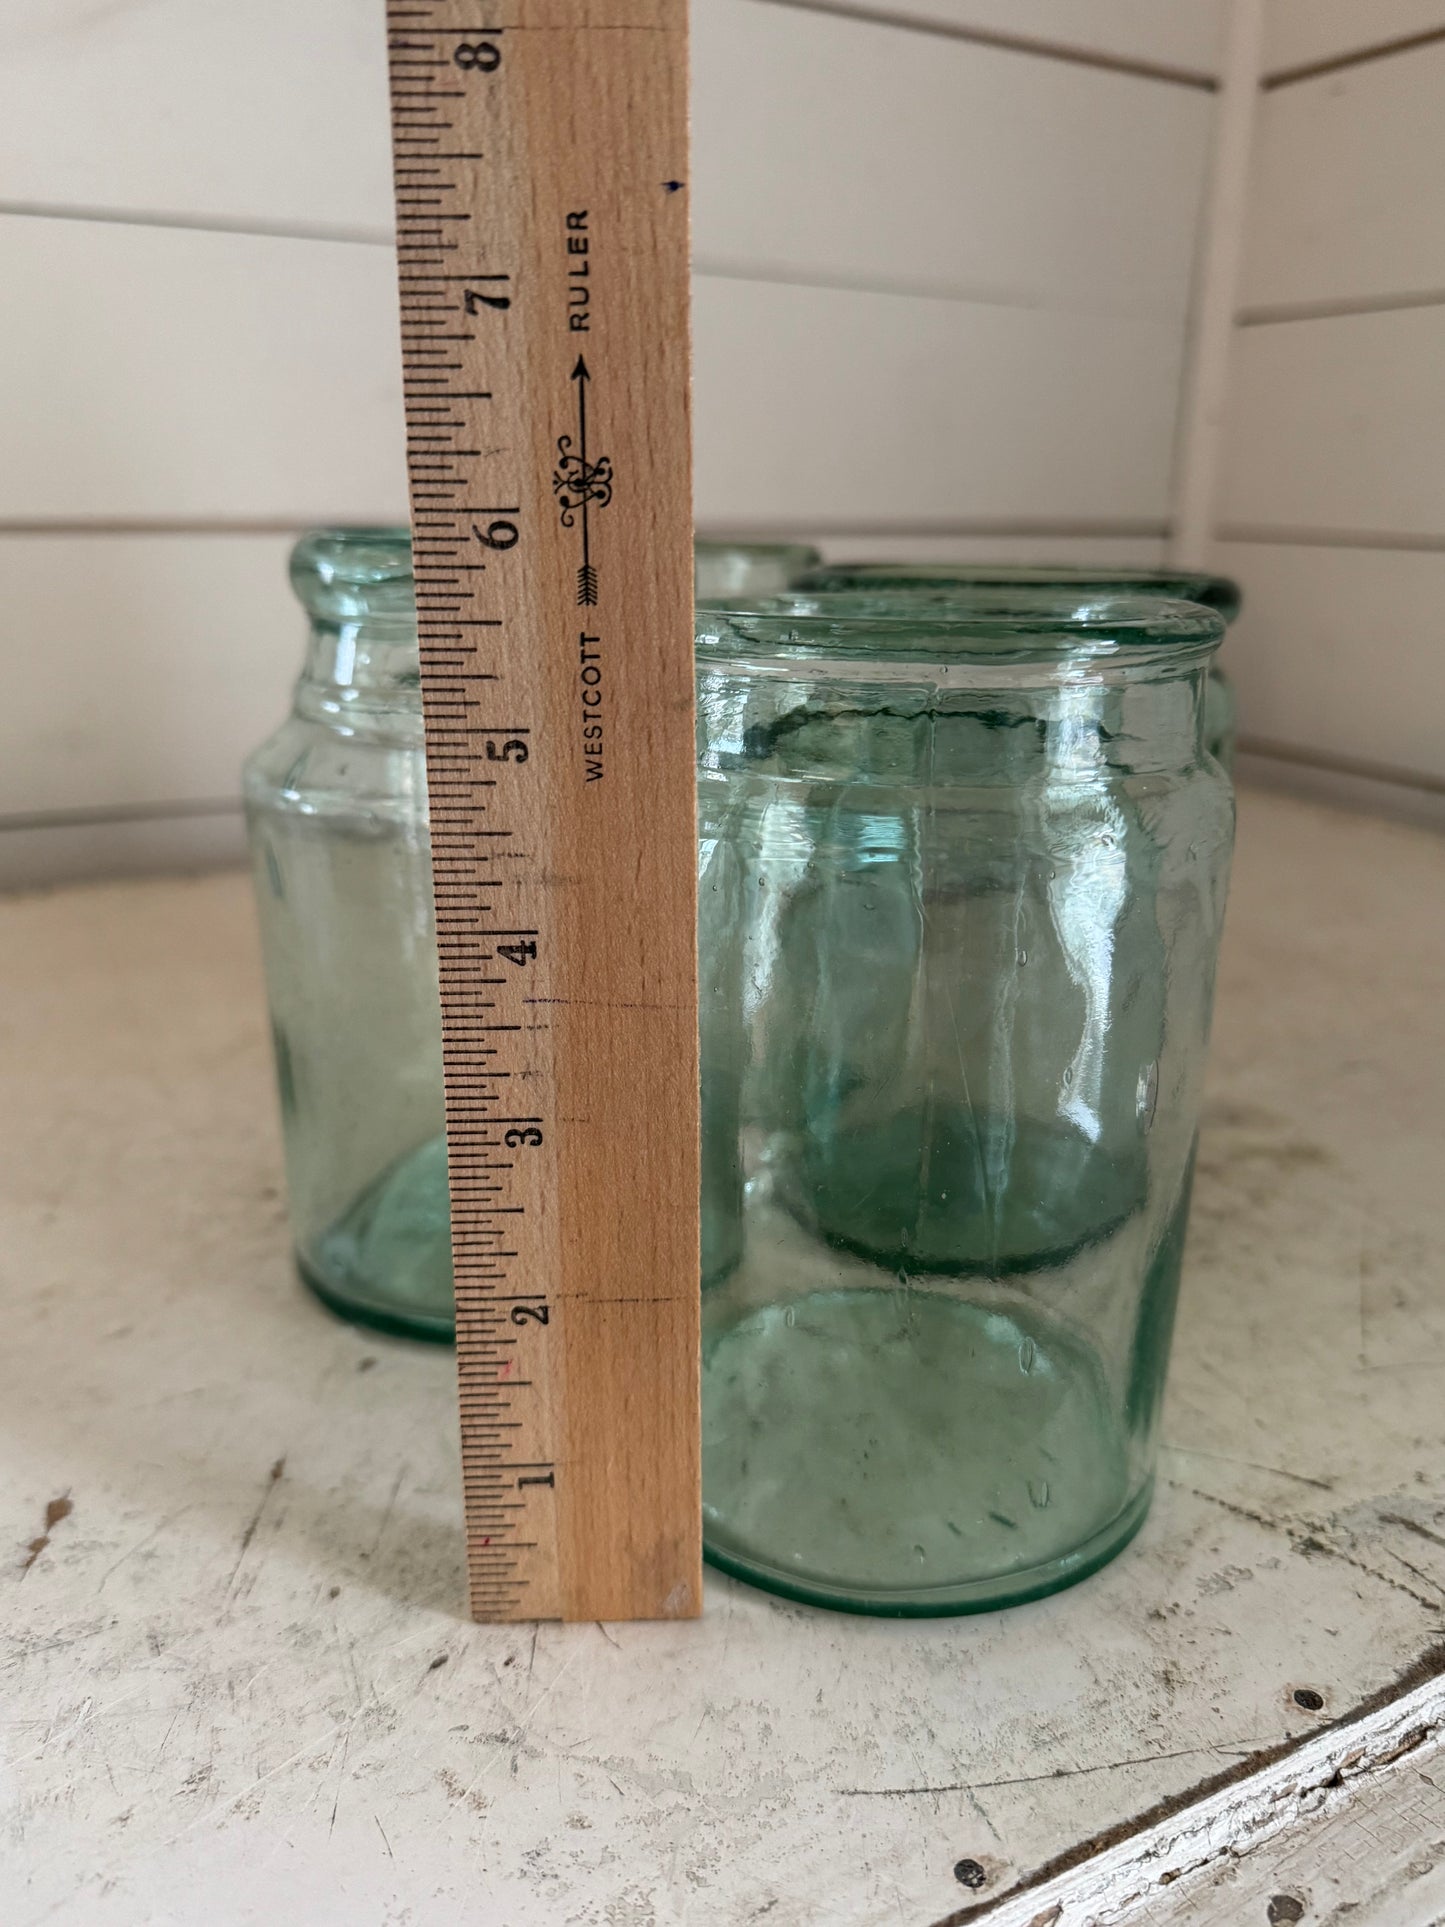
1332, 503
943, 278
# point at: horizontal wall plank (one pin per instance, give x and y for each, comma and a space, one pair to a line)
1339, 425
1345, 204
824, 147
175, 374
142, 669
77, 852
1300, 32
1322, 780
1188, 36
276, 110
817, 407
171, 373
1338, 653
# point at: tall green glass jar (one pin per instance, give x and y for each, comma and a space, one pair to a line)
1216, 592
336, 809
974, 859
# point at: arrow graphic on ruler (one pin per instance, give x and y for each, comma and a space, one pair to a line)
581, 485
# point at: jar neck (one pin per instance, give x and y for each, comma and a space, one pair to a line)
363, 674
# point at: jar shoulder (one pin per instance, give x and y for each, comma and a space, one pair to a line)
316, 769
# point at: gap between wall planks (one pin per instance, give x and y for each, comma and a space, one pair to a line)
1205, 388
541, 184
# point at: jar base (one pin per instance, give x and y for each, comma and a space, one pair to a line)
387, 1260
950, 1190
946, 1602
434, 1329
921, 1450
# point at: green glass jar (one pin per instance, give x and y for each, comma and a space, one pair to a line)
973, 859
336, 809
1217, 592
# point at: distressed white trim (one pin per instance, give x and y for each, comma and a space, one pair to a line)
1126, 1882
1203, 393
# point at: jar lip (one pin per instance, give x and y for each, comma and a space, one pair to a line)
720, 545
350, 572
1219, 592
989, 624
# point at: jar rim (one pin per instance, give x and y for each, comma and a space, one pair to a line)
987, 624
1183, 584
714, 545
352, 557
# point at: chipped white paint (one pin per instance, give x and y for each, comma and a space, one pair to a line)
1166, 1870
239, 1694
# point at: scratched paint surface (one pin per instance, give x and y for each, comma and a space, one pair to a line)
237, 1683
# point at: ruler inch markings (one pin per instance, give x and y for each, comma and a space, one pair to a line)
542, 248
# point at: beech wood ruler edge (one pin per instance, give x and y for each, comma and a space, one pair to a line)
540, 151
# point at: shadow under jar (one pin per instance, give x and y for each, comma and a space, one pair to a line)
1216, 592
962, 875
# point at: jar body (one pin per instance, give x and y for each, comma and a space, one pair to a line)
963, 980
336, 811
1221, 718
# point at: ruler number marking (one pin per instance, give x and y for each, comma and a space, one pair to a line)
477, 56
475, 299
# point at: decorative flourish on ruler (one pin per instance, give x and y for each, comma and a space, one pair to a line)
581, 485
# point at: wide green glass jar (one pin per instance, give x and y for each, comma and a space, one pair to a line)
962, 875
1217, 592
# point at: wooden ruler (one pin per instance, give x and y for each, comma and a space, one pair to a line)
542, 236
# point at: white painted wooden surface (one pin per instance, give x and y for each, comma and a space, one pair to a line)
182, 651
1336, 408
885, 411
1303, 31
277, 111
61, 846
1342, 210
1342, 1819
1184, 37
823, 147
1339, 650
238, 1689
1204, 389
942, 293
272, 112
837, 149
811, 403
1339, 425
172, 374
